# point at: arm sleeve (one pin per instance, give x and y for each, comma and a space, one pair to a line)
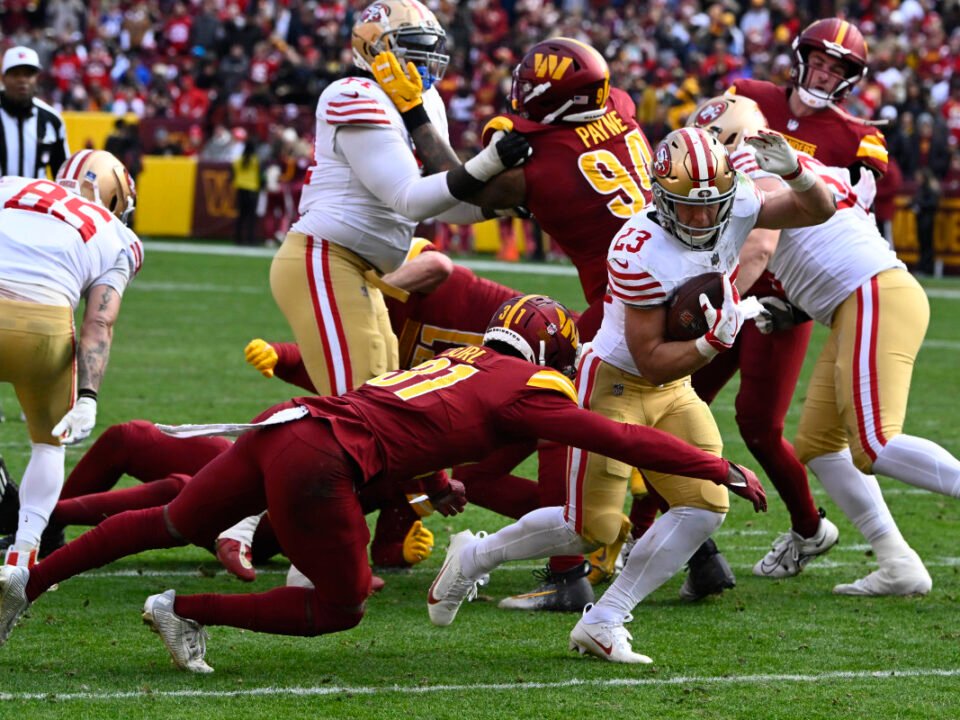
462, 214
290, 367
390, 172
553, 417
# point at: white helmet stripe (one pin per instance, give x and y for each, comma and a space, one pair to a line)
702, 171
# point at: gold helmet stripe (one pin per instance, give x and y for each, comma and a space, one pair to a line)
842, 32
513, 311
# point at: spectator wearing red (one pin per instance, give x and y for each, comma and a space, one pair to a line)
193, 103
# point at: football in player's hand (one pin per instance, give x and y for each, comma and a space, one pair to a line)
685, 320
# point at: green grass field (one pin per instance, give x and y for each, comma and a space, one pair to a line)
767, 649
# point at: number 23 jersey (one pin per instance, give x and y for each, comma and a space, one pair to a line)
55, 245
646, 265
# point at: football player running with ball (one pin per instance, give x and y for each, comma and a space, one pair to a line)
307, 461
703, 211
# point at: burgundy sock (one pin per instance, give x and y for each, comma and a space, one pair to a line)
92, 509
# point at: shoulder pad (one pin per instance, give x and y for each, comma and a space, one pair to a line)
552, 380
623, 104
355, 101
872, 151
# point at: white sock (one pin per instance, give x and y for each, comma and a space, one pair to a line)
243, 531
856, 494
656, 557
39, 492
920, 462
538, 534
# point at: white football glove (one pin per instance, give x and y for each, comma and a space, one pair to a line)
505, 150
725, 322
744, 159
77, 424
775, 155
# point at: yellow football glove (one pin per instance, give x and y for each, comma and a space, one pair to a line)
405, 92
261, 355
418, 544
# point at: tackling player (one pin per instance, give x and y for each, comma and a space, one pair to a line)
60, 242
703, 212
305, 463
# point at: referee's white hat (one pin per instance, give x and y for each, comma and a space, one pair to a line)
19, 56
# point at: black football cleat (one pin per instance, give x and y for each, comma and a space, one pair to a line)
709, 573
567, 591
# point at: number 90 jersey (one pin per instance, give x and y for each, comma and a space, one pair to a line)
646, 265
584, 180
55, 245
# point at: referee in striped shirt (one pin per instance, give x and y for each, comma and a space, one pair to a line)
33, 137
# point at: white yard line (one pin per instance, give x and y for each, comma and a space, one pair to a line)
764, 679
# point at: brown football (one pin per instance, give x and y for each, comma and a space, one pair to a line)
685, 320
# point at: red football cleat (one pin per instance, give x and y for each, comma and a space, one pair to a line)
237, 558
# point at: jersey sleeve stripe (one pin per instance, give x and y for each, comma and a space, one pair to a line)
637, 297
552, 380
353, 102
367, 110
620, 275
357, 121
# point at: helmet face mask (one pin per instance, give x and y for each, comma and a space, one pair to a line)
729, 118
838, 40
691, 170
409, 30
540, 329
98, 176
561, 79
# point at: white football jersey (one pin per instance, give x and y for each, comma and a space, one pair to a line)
646, 265
54, 245
819, 266
335, 205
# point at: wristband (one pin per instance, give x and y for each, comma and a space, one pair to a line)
415, 117
87, 393
485, 164
706, 349
801, 182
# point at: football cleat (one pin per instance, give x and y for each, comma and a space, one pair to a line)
52, 538
13, 598
791, 552
237, 558
606, 640
904, 575
9, 501
185, 639
451, 587
709, 573
567, 591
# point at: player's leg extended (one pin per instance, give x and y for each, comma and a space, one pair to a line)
821, 443
332, 311
38, 359
900, 308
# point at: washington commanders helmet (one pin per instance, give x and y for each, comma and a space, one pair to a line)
561, 79
409, 30
100, 177
839, 39
730, 118
540, 329
691, 167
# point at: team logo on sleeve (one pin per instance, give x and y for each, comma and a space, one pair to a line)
709, 113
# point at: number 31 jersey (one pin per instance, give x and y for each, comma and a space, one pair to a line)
646, 265
55, 245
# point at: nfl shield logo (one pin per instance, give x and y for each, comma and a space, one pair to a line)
792, 124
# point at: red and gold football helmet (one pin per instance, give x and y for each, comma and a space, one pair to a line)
540, 329
409, 30
690, 167
98, 176
838, 39
561, 79
730, 118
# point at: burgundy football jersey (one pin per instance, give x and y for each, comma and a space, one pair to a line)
829, 136
467, 402
455, 314
584, 181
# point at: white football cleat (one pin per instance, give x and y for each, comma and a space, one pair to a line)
904, 575
185, 639
791, 552
451, 587
607, 641
13, 597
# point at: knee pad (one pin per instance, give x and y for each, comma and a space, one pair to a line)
604, 527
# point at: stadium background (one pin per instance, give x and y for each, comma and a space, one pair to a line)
195, 78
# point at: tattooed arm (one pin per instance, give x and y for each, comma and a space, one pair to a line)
96, 335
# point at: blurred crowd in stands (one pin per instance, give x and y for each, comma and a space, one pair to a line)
225, 69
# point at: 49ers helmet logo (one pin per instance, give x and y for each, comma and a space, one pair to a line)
376, 13
661, 163
710, 112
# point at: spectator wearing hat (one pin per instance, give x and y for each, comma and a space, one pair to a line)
33, 137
